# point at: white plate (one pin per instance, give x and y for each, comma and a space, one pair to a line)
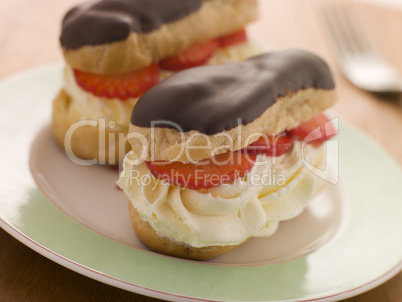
340, 246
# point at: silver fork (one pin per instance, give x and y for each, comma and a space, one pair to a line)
359, 62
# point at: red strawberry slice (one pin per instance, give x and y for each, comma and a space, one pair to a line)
196, 55
221, 169
317, 130
121, 86
237, 37
272, 145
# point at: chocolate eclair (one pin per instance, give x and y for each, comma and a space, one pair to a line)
218, 152
115, 50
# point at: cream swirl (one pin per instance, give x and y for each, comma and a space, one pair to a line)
276, 189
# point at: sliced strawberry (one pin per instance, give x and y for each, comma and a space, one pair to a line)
196, 55
237, 37
221, 169
272, 145
317, 130
121, 86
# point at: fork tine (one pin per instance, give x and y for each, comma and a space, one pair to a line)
340, 40
356, 56
352, 24
342, 25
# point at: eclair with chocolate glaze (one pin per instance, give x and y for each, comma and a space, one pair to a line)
121, 36
270, 93
218, 152
115, 50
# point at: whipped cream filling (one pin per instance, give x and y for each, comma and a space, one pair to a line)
276, 189
85, 105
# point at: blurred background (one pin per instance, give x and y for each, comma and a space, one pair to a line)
29, 32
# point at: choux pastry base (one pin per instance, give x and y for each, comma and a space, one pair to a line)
166, 246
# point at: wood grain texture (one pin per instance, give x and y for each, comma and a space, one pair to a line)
29, 31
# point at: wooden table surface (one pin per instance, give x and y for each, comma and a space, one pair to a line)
29, 32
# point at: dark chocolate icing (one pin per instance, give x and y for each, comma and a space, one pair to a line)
211, 99
107, 21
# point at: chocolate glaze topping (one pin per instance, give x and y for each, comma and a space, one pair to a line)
107, 21
211, 99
